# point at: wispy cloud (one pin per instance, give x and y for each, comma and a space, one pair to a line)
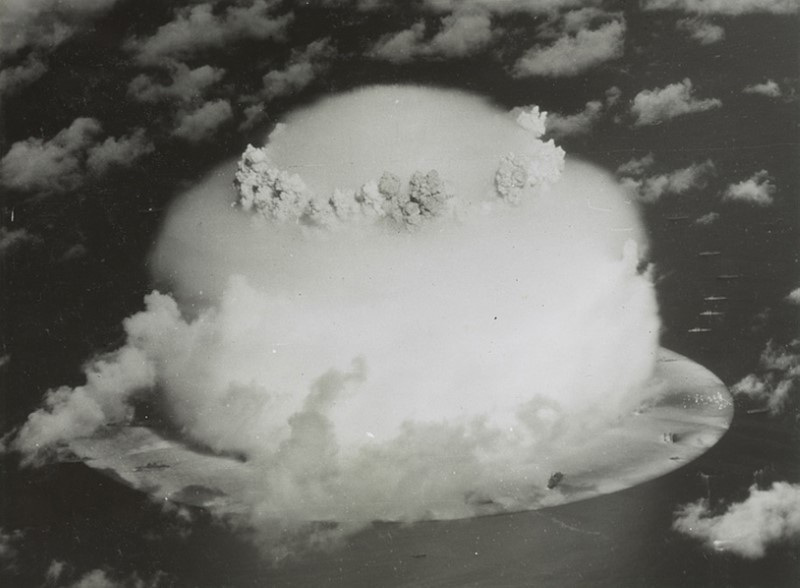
651, 107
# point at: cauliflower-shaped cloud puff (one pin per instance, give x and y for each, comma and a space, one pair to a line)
280, 196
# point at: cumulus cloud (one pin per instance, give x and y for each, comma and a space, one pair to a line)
14, 239
576, 20
185, 85
757, 189
461, 34
400, 47
680, 181
202, 123
101, 578
637, 166
652, 107
62, 163
794, 296
14, 78
301, 70
8, 545
571, 54
747, 529
724, 7
769, 88
254, 114
204, 26
777, 381
54, 572
701, 30
52, 166
579, 123
707, 219
118, 152
45, 23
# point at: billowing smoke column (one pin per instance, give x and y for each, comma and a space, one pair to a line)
422, 310
407, 307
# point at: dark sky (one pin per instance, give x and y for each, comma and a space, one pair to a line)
110, 108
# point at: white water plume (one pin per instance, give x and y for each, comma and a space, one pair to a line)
370, 371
